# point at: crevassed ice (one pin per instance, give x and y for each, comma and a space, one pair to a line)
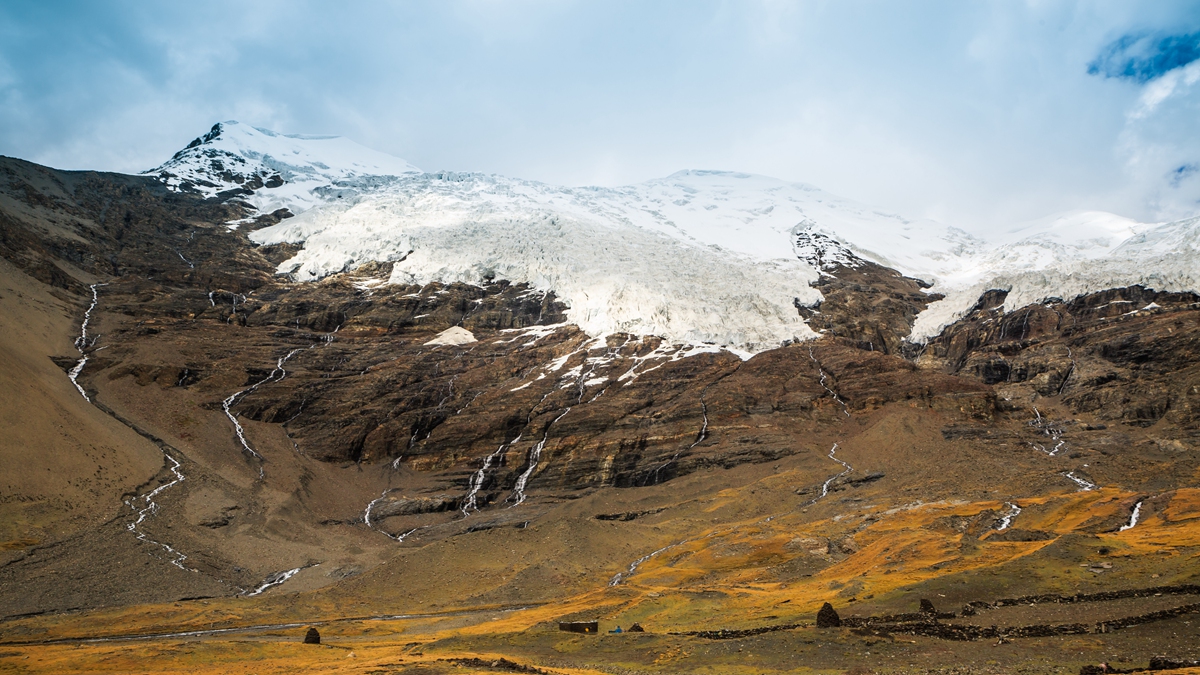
707, 256
698, 256
1164, 257
615, 276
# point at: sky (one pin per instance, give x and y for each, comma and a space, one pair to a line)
980, 114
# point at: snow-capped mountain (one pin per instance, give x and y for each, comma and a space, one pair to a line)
272, 171
698, 256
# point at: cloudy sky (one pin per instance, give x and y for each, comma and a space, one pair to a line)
978, 114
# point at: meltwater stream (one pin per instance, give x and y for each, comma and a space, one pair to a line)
277, 579
1050, 429
1054, 432
277, 374
535, 454
1133, 517
699, 439
371, 507
145, 505
1084, 485
150, 508
621, 576
826, 484
1007, 518
81, 343
478, 477
845, 408
367, 519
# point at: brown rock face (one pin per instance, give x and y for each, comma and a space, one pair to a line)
1126, 355
871, 306
400, 506
302, 412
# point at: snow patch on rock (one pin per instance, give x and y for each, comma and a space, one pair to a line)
454, 335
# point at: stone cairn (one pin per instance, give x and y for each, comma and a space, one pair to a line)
827, 617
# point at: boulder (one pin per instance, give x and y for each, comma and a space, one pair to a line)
411, 506
312, 637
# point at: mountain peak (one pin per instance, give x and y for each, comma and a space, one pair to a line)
270, 170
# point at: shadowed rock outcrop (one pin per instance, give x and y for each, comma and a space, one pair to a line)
871, 306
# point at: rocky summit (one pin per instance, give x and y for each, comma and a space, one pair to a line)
236, 412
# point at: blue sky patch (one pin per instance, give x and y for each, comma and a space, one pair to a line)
1141, 57
1183, 172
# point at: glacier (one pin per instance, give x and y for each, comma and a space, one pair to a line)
615, 275
1091, 253
712, 258
696, 257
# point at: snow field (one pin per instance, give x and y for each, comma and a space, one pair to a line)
697, 257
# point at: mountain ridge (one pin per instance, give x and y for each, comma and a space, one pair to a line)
319, 450
740, 228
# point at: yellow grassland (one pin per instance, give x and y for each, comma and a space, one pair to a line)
718, 572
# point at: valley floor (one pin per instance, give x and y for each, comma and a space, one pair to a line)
1125, 588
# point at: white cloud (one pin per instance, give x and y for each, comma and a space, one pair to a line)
1160, 89
978, 114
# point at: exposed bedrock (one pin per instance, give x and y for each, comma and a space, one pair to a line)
1130, 355
349, 368
871, 306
